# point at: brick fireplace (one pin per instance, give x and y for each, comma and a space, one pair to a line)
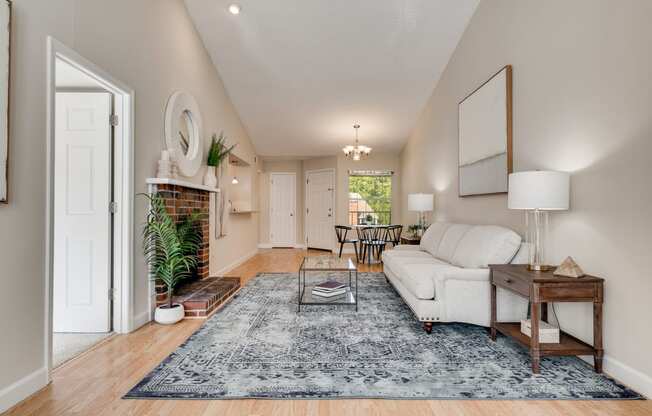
181, 201
201, 294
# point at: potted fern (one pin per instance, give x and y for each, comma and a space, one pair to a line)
217, 152
171, 252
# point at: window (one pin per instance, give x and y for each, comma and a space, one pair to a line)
370, 197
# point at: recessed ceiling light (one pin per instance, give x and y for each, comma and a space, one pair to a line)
234, 9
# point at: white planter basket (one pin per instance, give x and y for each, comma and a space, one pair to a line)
168, 316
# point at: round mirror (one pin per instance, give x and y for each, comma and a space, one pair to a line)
185, 127
183, 132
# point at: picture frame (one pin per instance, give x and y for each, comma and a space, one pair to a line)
5, 71
485, 137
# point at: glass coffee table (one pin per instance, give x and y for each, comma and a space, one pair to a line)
327, 264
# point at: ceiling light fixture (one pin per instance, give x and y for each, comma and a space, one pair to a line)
234, 9
356, 152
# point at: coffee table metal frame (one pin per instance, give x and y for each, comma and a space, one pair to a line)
351, 296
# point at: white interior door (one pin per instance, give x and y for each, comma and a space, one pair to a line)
320, 215
283, 229
82, 219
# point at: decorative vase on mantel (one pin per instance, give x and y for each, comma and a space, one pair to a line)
210, 179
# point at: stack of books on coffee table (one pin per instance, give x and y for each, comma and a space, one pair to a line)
330, 290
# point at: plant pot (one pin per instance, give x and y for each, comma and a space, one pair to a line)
210, 179
167, 316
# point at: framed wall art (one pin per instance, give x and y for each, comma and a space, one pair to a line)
5, 57
485, 136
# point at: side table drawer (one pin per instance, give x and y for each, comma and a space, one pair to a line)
576, 292
508, 282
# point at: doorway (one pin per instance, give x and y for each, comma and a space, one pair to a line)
83, 178
320, 209
282, 212
89, 206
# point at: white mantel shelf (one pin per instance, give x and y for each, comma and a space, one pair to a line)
177, 182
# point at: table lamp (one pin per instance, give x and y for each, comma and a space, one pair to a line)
421, 203
537, 193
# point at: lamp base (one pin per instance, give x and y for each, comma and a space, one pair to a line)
539, 267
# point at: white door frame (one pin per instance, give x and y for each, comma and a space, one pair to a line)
333, 197
271, 175
122, 189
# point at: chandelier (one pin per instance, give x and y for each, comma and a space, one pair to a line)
356, 152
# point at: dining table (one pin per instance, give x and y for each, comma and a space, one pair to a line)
358, 227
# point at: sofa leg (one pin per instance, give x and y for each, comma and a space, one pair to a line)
427, 326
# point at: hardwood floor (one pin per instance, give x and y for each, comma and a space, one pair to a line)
94, 383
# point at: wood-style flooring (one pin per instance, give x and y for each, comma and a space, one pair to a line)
94, 383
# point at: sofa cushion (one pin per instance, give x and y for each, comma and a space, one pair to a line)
388, 255
432, 237
482, 245
417, 278
427, 259
398, 263
407, 247
418, 274
450, 240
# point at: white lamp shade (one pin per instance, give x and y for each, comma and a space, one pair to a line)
420, 202
544, 190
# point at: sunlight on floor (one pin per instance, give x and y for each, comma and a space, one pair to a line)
66, 346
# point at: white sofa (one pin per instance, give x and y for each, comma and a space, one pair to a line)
446, 277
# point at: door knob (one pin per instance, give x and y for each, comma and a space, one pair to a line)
291, 214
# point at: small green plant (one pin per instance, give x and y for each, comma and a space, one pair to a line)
413, 229
170, 249
218, 150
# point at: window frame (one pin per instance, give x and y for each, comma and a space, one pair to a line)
357, 216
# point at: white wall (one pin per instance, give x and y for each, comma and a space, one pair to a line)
152, 46
582, 103
341, 165
22, 221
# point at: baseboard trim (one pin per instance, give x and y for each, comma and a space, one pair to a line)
236, 263
268, 245
632, 378
15, 393
141, 319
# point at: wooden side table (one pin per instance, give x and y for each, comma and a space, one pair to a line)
413, 241
541, 288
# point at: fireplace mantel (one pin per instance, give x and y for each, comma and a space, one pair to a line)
177, 182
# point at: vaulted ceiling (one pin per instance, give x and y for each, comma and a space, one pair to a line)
301, 72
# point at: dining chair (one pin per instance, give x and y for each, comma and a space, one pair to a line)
372, 242
342, 231
394, 234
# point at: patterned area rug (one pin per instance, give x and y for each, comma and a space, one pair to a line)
258, 346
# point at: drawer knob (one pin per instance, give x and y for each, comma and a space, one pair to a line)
508, 280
